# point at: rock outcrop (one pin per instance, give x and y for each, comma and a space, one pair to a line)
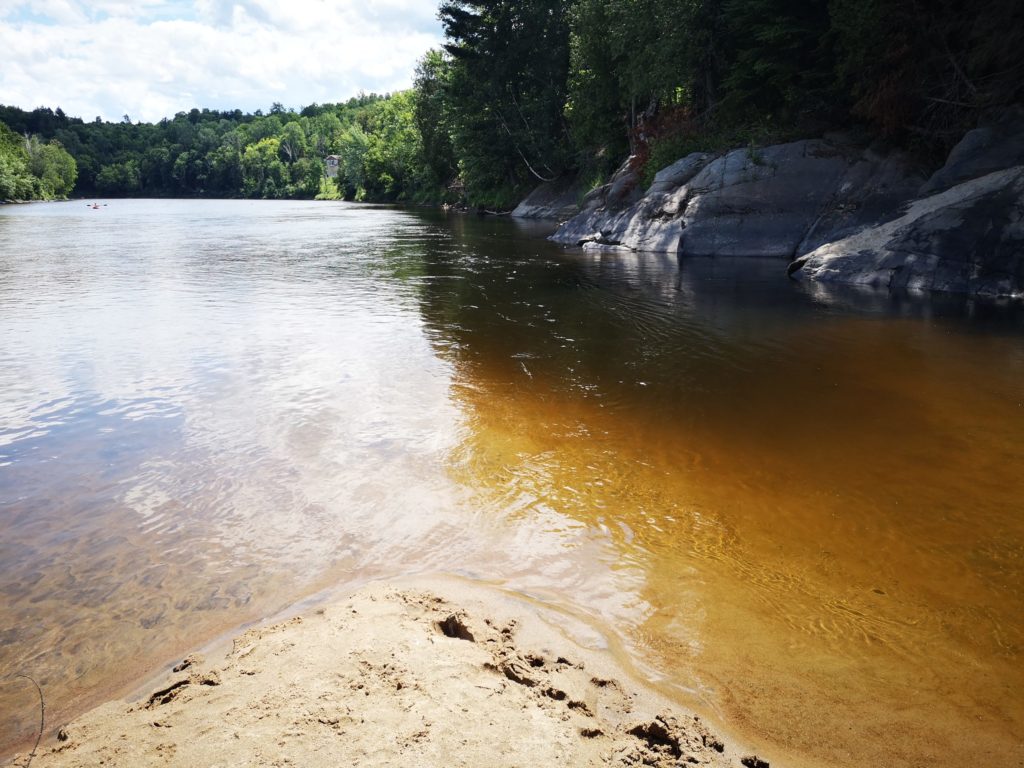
966, 239
838, 212
995, 145
557, 200
780, 201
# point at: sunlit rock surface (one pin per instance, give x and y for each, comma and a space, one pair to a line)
968, 239
837, 211
779, 201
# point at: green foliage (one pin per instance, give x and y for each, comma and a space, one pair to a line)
650, 43
505, 87
122, 179
195, 153
328, 190
924, 72
918, 72
531, 90
263, 173
594, 100
53, 166
433, 119
630, 59
293, 142
306, 174
351, 177
393, 160
780, 60
16, 182
33, 170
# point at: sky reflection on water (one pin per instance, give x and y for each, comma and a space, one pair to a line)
795, 508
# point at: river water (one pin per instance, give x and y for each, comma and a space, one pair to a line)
798, 511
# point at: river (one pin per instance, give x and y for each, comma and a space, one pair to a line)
796, 510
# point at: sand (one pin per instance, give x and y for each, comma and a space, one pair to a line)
418, 675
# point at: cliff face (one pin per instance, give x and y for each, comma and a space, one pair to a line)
834, 210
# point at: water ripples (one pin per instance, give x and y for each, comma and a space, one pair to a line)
211, 409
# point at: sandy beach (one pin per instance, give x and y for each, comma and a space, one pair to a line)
423, 673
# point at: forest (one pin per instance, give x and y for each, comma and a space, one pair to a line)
535, 90
31, 169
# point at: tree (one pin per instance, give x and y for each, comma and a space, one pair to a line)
926, 72
351, 178
155, 168
16, 182
183, 171
595, 96
325, 131
226, 177
31, 169
120, 178
509, 64
633, 61
782, 61
293, 142
432, 116
306, 174
263, 173
393, 160
53, 166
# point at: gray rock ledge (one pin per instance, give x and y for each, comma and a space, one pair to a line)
966, 239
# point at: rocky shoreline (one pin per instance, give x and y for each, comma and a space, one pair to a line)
832, 209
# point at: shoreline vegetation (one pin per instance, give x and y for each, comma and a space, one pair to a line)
434, 669
522, 93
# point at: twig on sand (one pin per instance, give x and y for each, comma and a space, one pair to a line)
42, 719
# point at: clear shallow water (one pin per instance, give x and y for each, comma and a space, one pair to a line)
797, 510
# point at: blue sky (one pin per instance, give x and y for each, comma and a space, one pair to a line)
152, 58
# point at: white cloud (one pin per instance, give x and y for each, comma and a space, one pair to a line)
152, 58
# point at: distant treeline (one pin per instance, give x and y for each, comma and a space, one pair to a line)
531, 90
207, 152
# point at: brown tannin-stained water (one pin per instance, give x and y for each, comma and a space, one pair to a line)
799, 511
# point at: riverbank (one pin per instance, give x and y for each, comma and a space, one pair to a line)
431, 670
834, 209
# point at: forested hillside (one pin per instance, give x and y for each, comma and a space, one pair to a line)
204, 152
33, 170
531, 90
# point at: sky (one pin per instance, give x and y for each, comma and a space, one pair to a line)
150, 59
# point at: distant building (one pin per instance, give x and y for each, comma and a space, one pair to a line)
332, 162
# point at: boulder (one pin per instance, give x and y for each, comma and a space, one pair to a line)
993, 146
761, 202
564, 198
669, 179
875, 187
966, 239
557, 199
624, 187
618, 214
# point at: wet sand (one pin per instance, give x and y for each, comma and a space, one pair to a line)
436, 672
